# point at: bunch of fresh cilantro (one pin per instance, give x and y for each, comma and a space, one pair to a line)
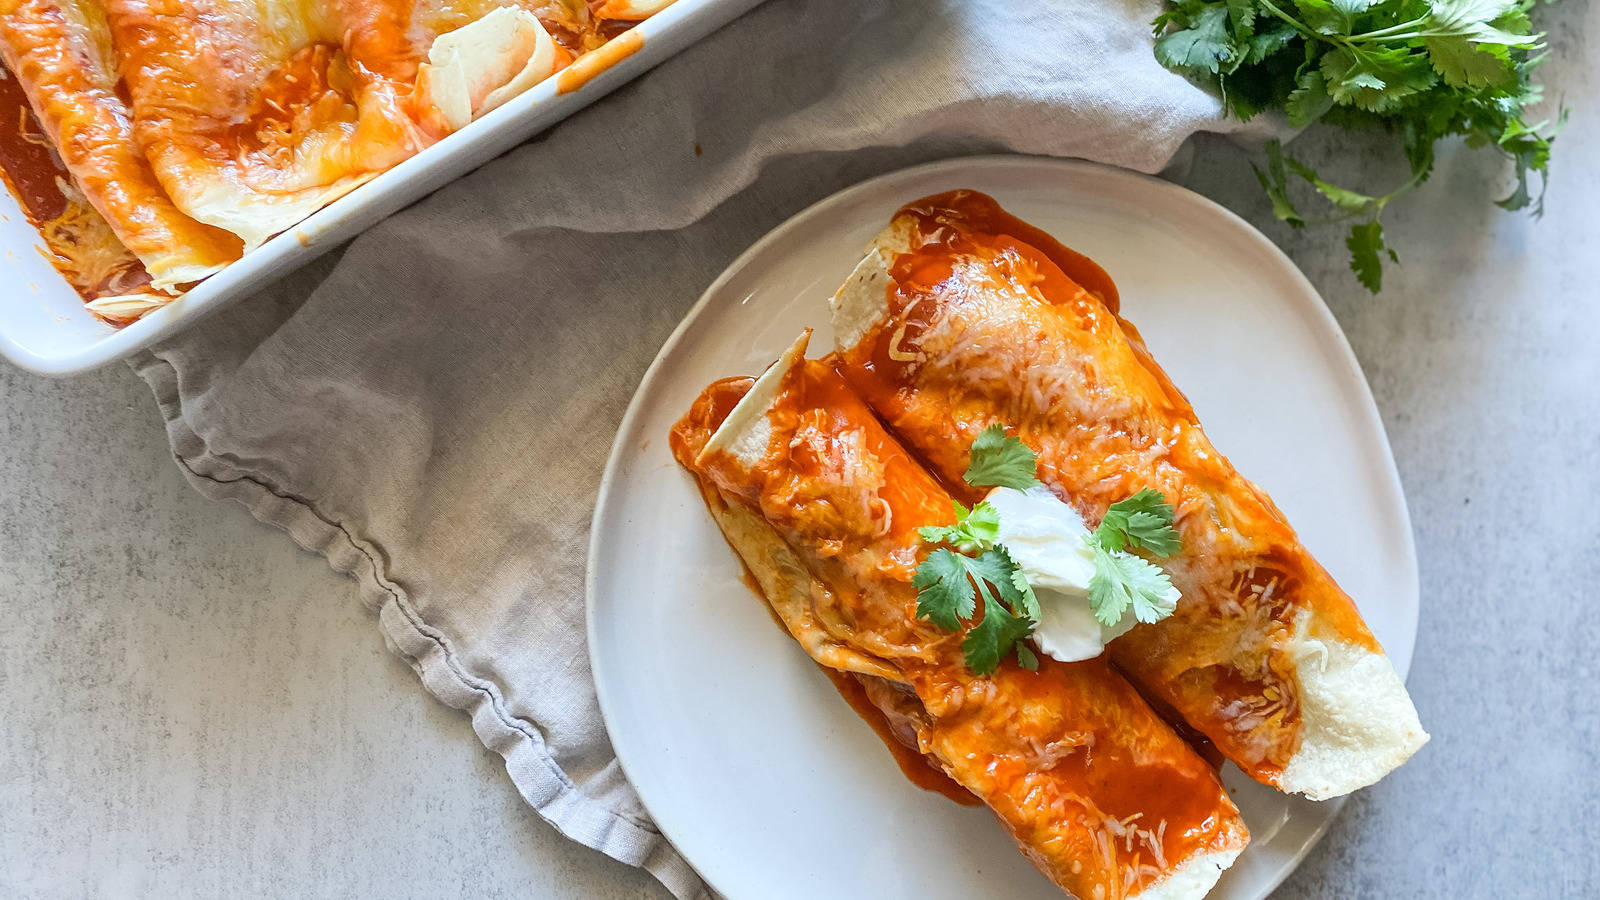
1421, 70
974, 565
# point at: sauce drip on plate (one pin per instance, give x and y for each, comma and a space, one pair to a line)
918, 769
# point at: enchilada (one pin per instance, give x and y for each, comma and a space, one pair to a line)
961, 318
824, 507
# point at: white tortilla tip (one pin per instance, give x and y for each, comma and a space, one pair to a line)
861, 302
255, 217
745, 433
1194, 879
128, 306
1358, 722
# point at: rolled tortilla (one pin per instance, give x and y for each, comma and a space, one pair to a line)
823, 507
481, 65
198, 129
256, 114
959, 318
61, 52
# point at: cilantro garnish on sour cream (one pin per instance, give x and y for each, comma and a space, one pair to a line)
975, 565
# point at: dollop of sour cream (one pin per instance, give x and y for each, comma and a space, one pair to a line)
1049, 541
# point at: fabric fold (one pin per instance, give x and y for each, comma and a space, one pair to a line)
605, 824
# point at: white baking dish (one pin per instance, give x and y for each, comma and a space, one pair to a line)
44, 327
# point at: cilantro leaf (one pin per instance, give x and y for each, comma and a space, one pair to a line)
1530, 149
1142, 520
1242, 16
1275, 181
1206, 45
975, 529
944, 591
1121, 581
1266, 43
993, 637
1477, 19
1351, 8
1375, 79
997, 460
1343, 198
993, 568
1366, 246
1028, 601
1461, 63
1154, 597
1026, 659
949, 586
1105, 599
1323, 16
1520, 197
1309, 100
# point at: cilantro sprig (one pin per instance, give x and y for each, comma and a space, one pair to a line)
1422, 70
947, 584
1143, 520
973, 567
975, 529
1121, 579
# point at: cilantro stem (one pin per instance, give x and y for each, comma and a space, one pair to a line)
1306, 30
1374, 209
1298, 25
1393, 32
1388, 38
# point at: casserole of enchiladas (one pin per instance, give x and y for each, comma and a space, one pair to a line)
188, 132
837, 481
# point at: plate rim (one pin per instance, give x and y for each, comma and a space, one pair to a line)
1319, 310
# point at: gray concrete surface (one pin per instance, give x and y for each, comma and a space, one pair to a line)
189, 706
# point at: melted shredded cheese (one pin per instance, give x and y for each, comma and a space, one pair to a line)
84, 249
27, 134
128, 307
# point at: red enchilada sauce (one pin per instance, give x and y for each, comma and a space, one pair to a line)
918, 769
27, 161
714, 404
966, 213
78, 242
971, 221
962, 225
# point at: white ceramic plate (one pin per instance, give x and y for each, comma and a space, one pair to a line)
44, 327
741, 749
